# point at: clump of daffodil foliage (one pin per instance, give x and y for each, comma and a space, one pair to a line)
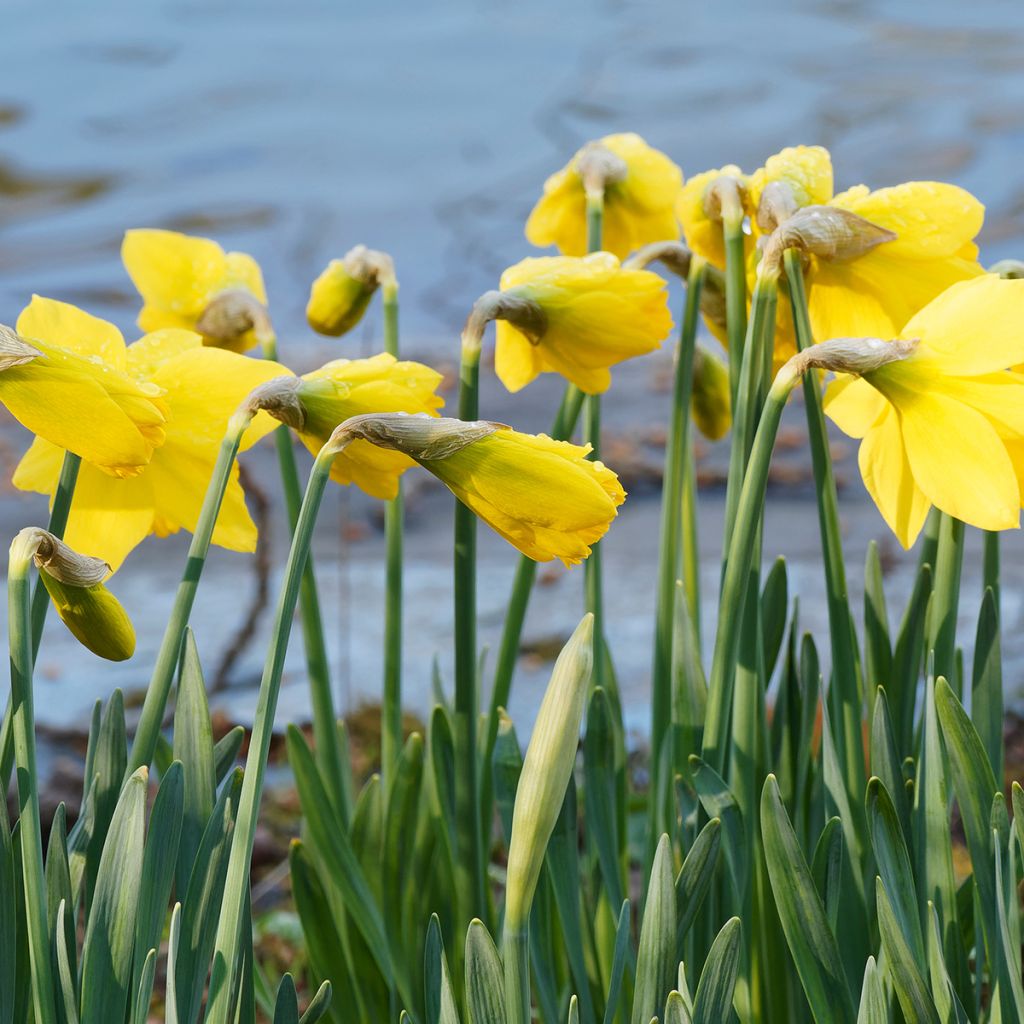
788, 855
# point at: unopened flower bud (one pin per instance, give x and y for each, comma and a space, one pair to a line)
340, 295
827, 232
710, 400
14, 350
546, 772
75, 585
230, 316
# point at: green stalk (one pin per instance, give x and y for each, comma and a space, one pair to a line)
515, 616
990, 577
158, 691
470, 879
325, 722
742, 547
674, 490
23, 728
946, 597
515, 954
593, 576
847, 699
59, 512
690, 545
735, 293
391, 708
229, 929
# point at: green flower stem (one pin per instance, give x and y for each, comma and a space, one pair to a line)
229, 930
391, 707
325, 721
990, 577
673, 497
470, 877
735, 294
946, 597
592, 570
23, 728
158, 691
846, 697
516, 958
59, 512
515, 616
742, 547
690, 546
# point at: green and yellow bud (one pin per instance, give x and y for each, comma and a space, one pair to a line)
75, 585
710, 401
547, 770
340, 295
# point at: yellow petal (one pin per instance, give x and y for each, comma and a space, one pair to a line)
807, 170
974, 327
854, 405
703, 235
516, 358
242, 271
889, 480
176, 274
958, 460
69, 327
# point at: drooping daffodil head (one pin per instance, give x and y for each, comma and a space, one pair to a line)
639, 185
64, 376
545, 497
576, 316
199, 387
75, 585
315, 404
191, 282
339, 297
944, 426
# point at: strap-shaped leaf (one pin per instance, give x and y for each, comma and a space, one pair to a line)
193, 747
802, 914
694, 880
827, 868
987, 683
58, 886
713, 1001
874, 1008
110, 933
655, 963
318, 1005
619, 957
718, 802
886, 763
599, 780
439, 1001
675, 1010
225, 752
485, 981
947, 1003
774, 608
906, 661
65, 971
286, 1006
893, 863
158, 866
8, 918
877, 645
913, 994
109, 762
144, 989
1011, 992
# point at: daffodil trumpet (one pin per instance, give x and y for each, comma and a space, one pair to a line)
229, 930
845, 355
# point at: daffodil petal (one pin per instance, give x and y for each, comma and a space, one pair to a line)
853, 404
67, 326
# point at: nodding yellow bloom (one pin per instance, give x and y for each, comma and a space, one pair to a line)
74, 583
339, 296
703, 233
70, 385
315, 404
201, 388
543, 496
795, 177
639, 199
193, 283
583, 315
945, 425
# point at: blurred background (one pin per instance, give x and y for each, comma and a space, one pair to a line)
294, 131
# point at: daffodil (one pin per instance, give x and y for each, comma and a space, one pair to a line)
339, 296
576, 316
640, 187
545, 497
945, 425
200, 388
795, 177
315, 404
710, 401
702, 231
193, 283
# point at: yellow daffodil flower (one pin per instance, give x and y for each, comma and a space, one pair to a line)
201, 388
945, 425
795, 177
702, 232
179, 278
583, 315
543, 496
76, 391
315, 404
339, 296
639, 207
